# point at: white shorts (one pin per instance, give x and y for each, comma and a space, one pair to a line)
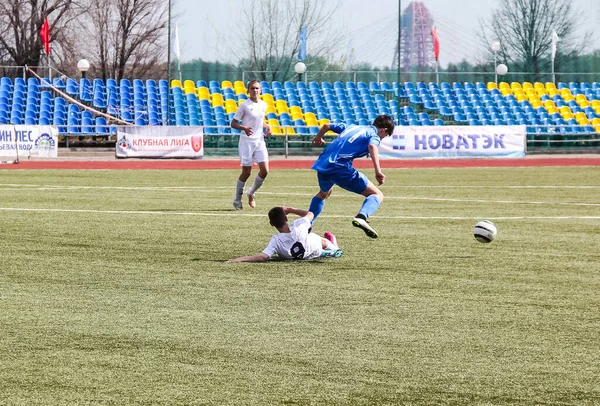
252, 152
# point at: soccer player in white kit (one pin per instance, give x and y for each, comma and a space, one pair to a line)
294, 240
250, 120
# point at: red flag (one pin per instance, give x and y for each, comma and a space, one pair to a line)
436, 43
45, 34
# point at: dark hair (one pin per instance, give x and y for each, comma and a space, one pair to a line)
277, 217
384, 121
253, 82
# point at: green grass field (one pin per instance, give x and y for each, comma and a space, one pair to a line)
114, 290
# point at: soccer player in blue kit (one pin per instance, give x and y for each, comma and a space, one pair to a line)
334, 166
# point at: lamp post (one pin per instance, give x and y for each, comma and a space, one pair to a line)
83, 65
501, 69
496, 48
300, 68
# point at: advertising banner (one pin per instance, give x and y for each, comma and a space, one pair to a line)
160, 142
22, 141
455, 142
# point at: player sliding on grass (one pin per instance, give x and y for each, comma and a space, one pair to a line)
294, 241
334, 166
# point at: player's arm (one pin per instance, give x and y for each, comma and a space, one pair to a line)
235, 123
299, 212
266, 127
318, 140
262, 257
374, 153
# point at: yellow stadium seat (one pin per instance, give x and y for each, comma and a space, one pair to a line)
492, 85
203, 93
189, 90
595, 103
217, 100
310, 116
584, 103
230, 106
505, 91
527, 86
596, 121
296, 110
176, 83
552, 110
281, 107
583, 121
550, 86
565, 91
564, 109
226, 84
268, 98
521, 97
597, 110
275, 126
270, 109
567, 98
239, 87
515, 85
312, 123
323, 121
503, 85
290, 130
536, 103
553, 92
189, 84
531, 93
568, 116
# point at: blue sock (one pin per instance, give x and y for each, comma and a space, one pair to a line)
370, 206
316, 207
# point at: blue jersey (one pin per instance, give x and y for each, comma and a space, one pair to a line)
352, 142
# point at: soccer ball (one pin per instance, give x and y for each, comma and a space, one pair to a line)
485, 231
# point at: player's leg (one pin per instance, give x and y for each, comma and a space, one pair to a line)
373, 200
331, 241
246, 164
358, 183
261, 157
330, 247
318, 201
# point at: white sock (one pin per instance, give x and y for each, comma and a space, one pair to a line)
330, 245
258, 181
239, 190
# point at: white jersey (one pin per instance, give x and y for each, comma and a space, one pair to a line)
297, 244
252, 114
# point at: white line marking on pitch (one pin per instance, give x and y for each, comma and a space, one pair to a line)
183, 213
203, 189
76, 187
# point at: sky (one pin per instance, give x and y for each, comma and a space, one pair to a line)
369, 27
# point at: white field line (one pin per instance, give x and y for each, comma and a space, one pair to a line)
387, 196
15, 186
238, 214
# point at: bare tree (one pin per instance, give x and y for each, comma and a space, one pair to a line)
525, 29
270, 35
127, 37
20, 23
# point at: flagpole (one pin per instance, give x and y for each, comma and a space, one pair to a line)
399, 51
168, 64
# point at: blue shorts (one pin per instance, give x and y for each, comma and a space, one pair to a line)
352, 181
